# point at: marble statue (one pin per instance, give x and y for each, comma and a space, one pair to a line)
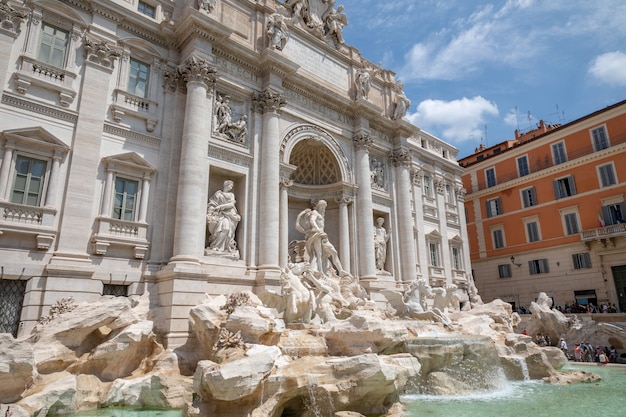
446, 299
377, 174
223, 121
277, 30
222, 220
363, 81
402, 105
334, 21
223, 113
381, 237
206, 5
413, 303
318, 247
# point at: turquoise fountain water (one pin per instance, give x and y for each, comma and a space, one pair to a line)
532, 398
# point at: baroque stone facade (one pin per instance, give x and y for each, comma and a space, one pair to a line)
169, 147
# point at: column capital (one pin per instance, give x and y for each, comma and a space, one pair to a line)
173, 80
362, 141
440, 184
101, 53
198, 70
269, 101
460, 192
417, 173
11, 18
343, 198
286, 182
400, 157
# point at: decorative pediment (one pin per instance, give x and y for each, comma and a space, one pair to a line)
36, 137
456, 240
434, 235
130, 161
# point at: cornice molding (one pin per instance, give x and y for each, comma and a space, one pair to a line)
34, 107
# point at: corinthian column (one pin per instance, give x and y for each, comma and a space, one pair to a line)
344, 230
401, 160
283, 232
189, 229
367, 263
269, 103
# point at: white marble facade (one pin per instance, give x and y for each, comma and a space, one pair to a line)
169, 147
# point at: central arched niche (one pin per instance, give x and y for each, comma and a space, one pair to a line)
319, 169
316, 164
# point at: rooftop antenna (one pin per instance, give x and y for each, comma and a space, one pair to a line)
558, 115
517, 118
486, 137
530, 118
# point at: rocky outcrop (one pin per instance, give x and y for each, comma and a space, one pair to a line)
248, 362
17, 368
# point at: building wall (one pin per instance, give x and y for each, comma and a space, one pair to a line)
83, 119
604, 246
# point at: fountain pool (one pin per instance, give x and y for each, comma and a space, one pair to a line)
532, 398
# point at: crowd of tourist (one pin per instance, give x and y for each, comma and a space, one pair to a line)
577, 308
583, 352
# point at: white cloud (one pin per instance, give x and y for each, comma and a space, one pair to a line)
457, 120
610, 68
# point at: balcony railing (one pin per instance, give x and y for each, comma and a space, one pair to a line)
606, 232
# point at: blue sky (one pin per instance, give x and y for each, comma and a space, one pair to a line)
475, 71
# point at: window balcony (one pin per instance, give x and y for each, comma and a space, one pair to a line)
29, 220
115, 232
34, 72
125, 103
605, 235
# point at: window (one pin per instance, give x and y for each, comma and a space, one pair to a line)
138, 78
456, 258
532, 232
571, 223
522, 166
434, 253
428, 186
29, 180
115, 290
146, 9
490, 174
494, 207
581, 260
538, 266
564, 187
52, 45
529, 197
125, 199
614, 213
558, 153
607, 175
600, 139
504, 271
498, 238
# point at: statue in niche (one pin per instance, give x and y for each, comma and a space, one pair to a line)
317, 246
402, 104
312, 14
277, 29
238, 131
334, 21
206, 5
222, 220
381, 237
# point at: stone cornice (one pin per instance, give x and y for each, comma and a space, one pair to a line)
34, 107
130, 134
218, 151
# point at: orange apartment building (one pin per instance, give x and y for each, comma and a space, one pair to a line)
546, 213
